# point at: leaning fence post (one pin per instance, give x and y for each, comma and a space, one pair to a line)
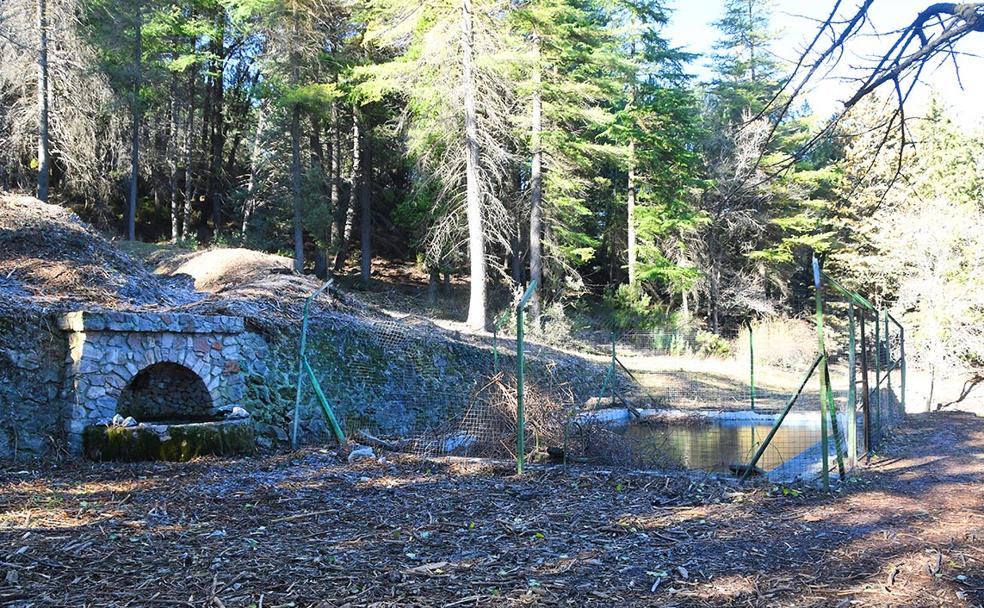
520, 372
779, 420
302, 357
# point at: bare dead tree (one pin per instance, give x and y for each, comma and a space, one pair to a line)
86, 133
932, 36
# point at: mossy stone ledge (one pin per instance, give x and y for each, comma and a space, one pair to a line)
170, 442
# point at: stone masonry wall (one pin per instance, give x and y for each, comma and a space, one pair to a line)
57, 379
166, 391
387, 379
32, 353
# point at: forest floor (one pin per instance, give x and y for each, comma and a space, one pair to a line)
307, 529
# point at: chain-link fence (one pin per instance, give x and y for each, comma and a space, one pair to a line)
783, 398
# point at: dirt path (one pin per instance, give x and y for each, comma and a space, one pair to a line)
308, 531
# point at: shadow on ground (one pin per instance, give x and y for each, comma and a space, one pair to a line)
309, 530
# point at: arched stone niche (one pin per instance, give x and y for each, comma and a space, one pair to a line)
165, 392
111, 354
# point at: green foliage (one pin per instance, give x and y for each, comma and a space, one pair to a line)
630, 307
918, 248
726, 214
710, 344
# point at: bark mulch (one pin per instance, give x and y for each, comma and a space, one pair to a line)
307, 529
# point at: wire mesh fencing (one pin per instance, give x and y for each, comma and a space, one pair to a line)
783, 398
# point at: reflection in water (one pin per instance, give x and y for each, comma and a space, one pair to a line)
716, 446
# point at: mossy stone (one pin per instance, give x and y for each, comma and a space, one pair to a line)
181, 443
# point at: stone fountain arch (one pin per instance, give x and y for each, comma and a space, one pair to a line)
108, 349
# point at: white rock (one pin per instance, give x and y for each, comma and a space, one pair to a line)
129, 421
118, 420
238, 412
459, 442
361, 452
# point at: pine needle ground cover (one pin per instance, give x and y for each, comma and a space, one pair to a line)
310, 530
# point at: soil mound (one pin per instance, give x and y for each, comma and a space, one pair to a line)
245, 283
51, 261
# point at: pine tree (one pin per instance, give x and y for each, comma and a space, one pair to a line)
459, 103
568, 90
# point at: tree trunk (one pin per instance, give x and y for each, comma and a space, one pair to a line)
476, 233
189, 158
631, 184
254, 167
44, 157
131, 216
536, 185
334, 145
432, 286
317, 156
356, 178
631, 214
173, 143
295, 186
365, 213
217, 125
714, 301
517, 256
318, 170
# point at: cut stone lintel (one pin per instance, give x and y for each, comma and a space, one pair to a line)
142, 322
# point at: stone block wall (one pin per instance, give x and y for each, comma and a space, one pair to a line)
32, 354
387, 379
166, 392
57, 378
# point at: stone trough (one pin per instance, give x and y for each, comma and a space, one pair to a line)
174, 442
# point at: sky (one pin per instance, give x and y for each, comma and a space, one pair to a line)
691, 28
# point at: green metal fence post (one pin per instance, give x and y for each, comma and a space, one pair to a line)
782, 416
520, 373
818, 289
325, 406
852, 392
865, 388
902, 356
889, 364
300, 363
828, 398
751, 369
878, 402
